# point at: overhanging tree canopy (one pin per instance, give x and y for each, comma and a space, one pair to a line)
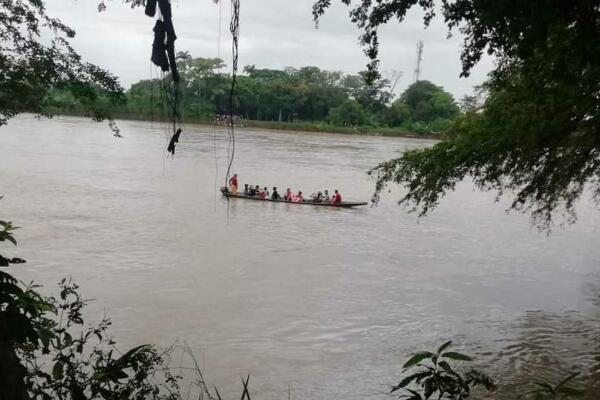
30, 65
537, 135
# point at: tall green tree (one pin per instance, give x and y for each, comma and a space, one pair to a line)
349, 113
428, 102
537, 136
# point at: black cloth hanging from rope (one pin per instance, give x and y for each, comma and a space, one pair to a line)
150, 8
174, 139
163, 48
159, 56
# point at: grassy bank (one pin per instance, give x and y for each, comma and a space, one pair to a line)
298, 127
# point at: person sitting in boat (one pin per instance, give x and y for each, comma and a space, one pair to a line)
288, 195
233, 184
275, 195
264, 194
326, 197
336, 198
317, 197
246, 190
299, 198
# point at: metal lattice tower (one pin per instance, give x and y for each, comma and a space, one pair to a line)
420, 46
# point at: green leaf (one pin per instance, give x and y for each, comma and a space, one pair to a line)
428, 388
107, 394
11, 239
125, 358
68, 340
404, 382
45, 337
415, 395
456, 356
57, 370
447, 367
417, 358
118, 374
444, 346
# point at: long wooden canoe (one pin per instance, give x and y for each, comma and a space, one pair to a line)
343, 204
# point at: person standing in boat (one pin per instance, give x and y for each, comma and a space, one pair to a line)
246, 190
233, 184
336, 198
299, 198
275, 195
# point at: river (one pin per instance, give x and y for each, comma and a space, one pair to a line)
323, 303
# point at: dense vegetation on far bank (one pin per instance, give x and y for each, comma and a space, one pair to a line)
305, 99
320, 127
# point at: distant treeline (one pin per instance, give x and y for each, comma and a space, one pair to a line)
305, 95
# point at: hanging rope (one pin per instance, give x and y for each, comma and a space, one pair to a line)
215, 119
219, 36
234, 28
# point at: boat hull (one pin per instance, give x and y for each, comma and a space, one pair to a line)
343, 204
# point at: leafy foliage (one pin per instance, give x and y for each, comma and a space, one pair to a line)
307, 94
41, 355
423, 107
87, 364
47, 352
6, 234
428, 102
433, 376
304, 94
349, 113
561, 391
30, 67
22, 311
537, 134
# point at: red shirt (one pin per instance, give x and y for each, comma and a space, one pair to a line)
233, 181
338, 198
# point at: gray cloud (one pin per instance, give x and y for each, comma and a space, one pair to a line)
275, 34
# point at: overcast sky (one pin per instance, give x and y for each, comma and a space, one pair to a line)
274, 34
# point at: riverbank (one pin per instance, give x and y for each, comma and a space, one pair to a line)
298, 127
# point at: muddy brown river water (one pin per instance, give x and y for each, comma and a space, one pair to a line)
325, 303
